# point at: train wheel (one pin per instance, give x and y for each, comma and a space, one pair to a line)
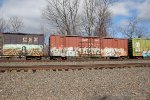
38, 58
28, 58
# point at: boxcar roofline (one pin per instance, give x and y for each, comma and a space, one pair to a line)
24, 34
86, 36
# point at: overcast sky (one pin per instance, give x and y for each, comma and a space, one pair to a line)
30, 11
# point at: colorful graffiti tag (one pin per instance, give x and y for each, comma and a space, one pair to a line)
107, 52
113, 52
146, 54
28, 50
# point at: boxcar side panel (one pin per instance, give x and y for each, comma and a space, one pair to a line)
141, 47
56, 45
71, 47
114, 47
13, 38
18, 44
90, 46
62, 46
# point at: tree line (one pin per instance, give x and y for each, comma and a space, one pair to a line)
80, 17
71, 17
13, 24
92, 17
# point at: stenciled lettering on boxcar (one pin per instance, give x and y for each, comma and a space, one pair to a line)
24, 40
30, 40
36, 40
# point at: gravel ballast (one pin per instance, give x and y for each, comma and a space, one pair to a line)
105, 84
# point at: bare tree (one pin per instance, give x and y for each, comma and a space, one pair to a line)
15, 24
103, 17
3, 25
63, 14
97, 17
133, 28
89, 17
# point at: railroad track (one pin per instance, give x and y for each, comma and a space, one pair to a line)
73, 60
60, 66
67, 68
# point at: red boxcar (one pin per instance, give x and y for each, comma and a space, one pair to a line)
114, 47
74, 46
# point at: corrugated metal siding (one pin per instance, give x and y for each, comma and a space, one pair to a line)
141, 47
14, 43
23, 39
87, 46
114, 47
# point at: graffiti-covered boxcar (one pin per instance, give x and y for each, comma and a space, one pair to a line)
22, 45
62, 46
139, 48
77, 46
114, 47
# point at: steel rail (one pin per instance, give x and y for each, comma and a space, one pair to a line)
71, 67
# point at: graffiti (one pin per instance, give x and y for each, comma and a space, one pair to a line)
107, 52
91, 51
24, 50
56, 52
146, 54
137, 47
70, 51
113, 52
17, 50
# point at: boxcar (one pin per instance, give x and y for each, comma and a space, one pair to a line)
64, 46
1, 44
77, 46
22, 45
114, 47
139, 48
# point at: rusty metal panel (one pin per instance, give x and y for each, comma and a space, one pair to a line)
114, 47
56, 45
64, 45
90, 46
72, 46
87, 46
56, 41
72, 41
